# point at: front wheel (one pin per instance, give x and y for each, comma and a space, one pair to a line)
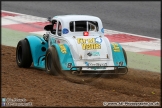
23, 54
52, 63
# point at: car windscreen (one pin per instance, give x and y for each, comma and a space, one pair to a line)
79, 26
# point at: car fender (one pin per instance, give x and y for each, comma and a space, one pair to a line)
65, 57
38, 47
118, 55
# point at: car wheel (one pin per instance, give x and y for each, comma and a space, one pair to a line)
23, 54
52, 63
125, 55
123, 70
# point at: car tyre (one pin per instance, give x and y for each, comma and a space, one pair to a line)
123, 70
125, 55
52, 63
23, 54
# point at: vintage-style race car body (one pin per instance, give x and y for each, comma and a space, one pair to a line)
71, 43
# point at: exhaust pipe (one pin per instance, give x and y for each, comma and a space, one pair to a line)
75, 72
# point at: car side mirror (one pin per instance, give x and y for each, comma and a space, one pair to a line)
48, 27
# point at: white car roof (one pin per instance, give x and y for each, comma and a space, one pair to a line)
69, 18
66, 19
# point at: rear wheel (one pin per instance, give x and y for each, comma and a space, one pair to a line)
125, 55
52, 63
123, 70
23, 54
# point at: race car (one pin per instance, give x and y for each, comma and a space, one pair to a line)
74, 43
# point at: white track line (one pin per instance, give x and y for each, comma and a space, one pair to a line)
118, 32
141, 46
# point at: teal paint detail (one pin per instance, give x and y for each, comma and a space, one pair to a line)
39, 56
36, 45
64, 58
52, 40
118, 56
41, 63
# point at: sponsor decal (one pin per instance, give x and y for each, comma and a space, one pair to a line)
96, 64
87, 64
120, 63
98, 40
58, 41
69, 65
115, 47
102, 30
62, 48
65, 31
91, 43
93, 54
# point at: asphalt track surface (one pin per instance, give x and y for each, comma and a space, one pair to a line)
142, 18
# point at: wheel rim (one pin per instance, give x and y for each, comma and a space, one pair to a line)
19, 54
49, 61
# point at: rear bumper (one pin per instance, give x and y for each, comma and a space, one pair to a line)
117, 70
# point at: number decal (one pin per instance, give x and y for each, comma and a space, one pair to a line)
116, 47
63, 49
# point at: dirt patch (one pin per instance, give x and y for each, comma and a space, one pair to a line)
43, 89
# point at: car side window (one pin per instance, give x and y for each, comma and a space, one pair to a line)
92, 27
59, 29
54, 24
